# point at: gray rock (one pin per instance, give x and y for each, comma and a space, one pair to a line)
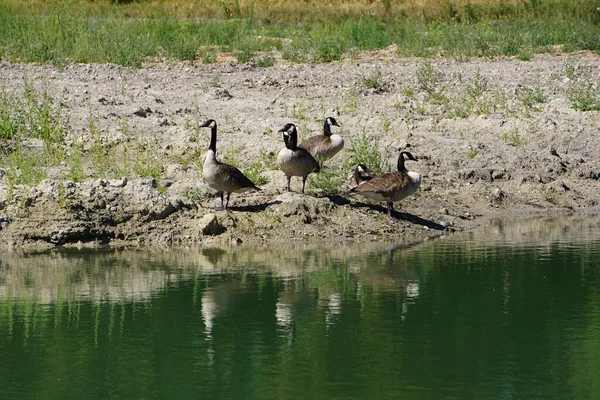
5, 220
209, 225
118, 182
498, 195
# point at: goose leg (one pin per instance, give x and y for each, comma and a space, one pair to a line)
289, 178
227, 204
303, 183
222, 205
390, 209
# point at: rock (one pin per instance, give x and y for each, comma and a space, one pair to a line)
209, 225
5, 220
498, 195
444, 211
140, 112
222, 94
118, 182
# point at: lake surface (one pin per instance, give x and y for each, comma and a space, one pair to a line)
509, 311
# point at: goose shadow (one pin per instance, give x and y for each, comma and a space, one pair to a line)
255, 207
404, 216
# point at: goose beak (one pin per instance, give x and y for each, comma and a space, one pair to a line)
205, 124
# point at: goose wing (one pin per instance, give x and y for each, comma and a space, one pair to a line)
301, 152
315, 144
385, 184
236, 177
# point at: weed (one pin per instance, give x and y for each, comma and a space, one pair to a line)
484, 106
429, 78
253, 172
464, 108
386, 124
365, 151
351, 102
327, 180
584, 96
531, 96
477, 86
264, 62
194, 195
513, 138
209, 57
75, 162
409, 92
373, 80
472, 153
147, 164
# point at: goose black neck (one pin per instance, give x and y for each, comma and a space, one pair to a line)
326, 128
357, 177
401, 166
213, 138
293, 139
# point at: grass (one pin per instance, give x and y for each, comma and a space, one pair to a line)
130, 34
584, 96
366, 151
328, 180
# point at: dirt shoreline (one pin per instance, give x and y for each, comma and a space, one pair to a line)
493, 161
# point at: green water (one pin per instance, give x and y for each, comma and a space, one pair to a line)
509, 312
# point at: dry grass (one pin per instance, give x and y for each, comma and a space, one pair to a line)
266, 10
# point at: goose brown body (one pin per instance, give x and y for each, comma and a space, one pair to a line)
224, 178
325, 146
393, 186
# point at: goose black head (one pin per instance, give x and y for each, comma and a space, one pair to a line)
209, 123
331, 121
287, 127
362, 168
409, 156
327, 125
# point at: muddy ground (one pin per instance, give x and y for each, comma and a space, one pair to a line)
482, 131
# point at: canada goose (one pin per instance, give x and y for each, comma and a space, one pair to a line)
294, 160
359, 175
324, 146
393, 186
224, 178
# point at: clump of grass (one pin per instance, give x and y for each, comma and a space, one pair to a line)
429, 78
373, 80
75, 163
264, 62
584, 96
532, 96
254, 173
464, 108
365, 151
477, 86
513, 138
327, 180
472, 153
147, 164
193, 194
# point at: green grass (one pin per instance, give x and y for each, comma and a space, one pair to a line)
328, 180
366, 151
86, 32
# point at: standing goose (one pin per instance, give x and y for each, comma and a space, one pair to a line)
393, 186
359, 175
324, 146
294, 160
224, 178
